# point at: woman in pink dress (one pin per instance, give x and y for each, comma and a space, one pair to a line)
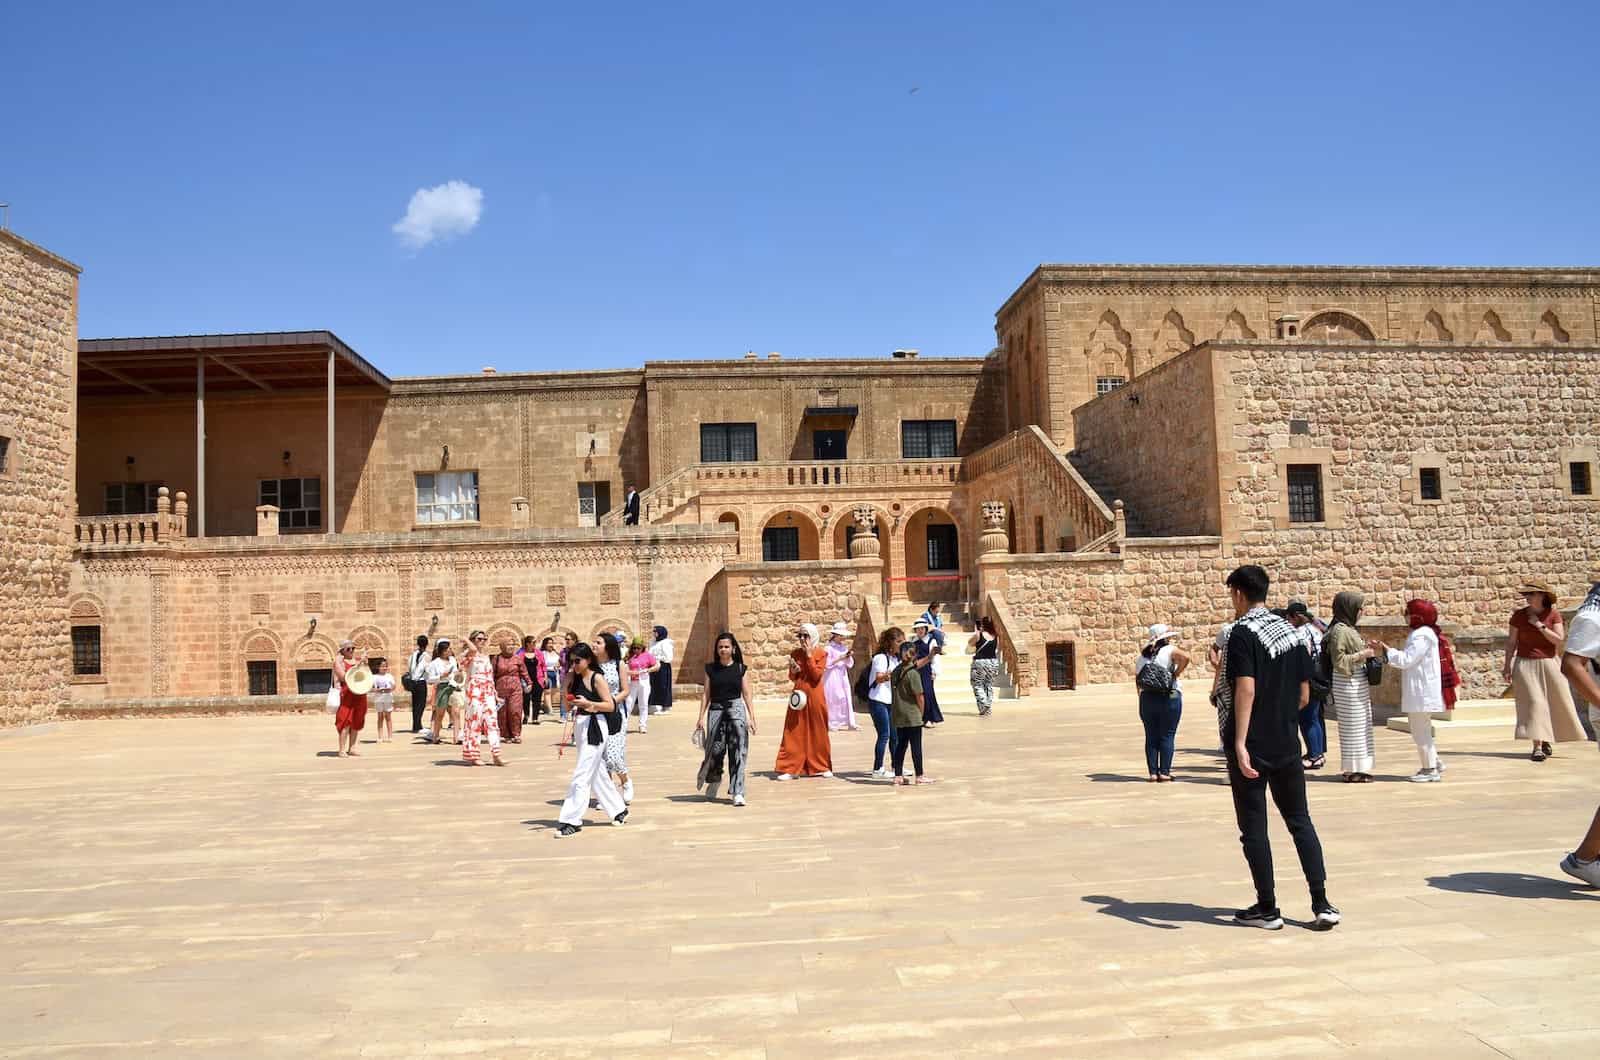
836, 679
480, 719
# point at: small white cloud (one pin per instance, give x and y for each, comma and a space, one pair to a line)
442, 212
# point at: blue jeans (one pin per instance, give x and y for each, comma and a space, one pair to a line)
1160, 714
1313, 729
880, 723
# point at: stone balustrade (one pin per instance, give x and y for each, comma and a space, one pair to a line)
1029, 454
170, 521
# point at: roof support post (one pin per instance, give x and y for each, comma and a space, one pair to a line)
330, 508
200, 444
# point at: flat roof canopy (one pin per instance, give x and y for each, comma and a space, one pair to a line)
825, 411
260, 362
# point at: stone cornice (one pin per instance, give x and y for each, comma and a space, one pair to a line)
1248, 279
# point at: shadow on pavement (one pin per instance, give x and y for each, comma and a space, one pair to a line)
1168, 916
1512, 885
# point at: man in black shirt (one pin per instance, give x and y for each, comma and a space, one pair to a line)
1266, 674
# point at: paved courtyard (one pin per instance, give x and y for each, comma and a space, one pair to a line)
223, 887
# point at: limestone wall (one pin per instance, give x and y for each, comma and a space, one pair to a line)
184, 621
1153, 444
1069, 324
766, 603
38, 396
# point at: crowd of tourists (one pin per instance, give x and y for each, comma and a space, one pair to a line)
1276, 669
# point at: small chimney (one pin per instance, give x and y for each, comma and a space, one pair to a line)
774, 355
750, 355
905, 355
488, 369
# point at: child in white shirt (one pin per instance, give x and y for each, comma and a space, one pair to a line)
383, 700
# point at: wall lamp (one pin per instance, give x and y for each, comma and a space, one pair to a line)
130, 461
286, 457
444, 461
313, 628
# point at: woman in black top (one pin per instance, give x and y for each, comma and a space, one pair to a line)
594, 717
726, 723
985, 649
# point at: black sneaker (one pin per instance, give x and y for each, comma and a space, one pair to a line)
1256, 916
568, 829
621, 818
1324, 917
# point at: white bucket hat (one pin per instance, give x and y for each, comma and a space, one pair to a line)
839, 630
1160, 631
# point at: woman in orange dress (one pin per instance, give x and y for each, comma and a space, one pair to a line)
805, 750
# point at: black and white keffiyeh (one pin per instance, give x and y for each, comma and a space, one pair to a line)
1591, 603
1277, 635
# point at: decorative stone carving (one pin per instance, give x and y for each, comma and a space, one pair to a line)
865, 543
993, 538
366, 600
610, 593
433, 599
502, 596
260, 604
555, 596
313, 602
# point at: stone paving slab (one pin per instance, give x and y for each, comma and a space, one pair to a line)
224, 887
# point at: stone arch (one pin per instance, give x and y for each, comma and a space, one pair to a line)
915, 536
1110, 341
315, 650
86, 606
1234, 326
731, 519
1491, 330
1549, 329
261, 643
1335, 325
371, 640
810, 531
610, 625
1433, 328
1171, 338
502, 629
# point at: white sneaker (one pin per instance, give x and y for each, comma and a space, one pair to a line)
826, 773
627, 791
785, 776
711, 791
1425, 776
1587, 871
738, 800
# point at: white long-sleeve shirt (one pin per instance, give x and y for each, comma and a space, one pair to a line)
1418, 663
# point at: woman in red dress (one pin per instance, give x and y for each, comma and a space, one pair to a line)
509, 673
805, 750
352, 714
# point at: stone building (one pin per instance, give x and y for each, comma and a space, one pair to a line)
245, 501
38, 395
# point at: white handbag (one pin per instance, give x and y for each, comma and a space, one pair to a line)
332, 703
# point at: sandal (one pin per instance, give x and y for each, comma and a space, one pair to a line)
1538, 755
1549, 752
1363, 778
1315, 763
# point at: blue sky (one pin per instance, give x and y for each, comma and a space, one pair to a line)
696, 180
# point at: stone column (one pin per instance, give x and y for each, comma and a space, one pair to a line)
993, 546
865, 544
180, 512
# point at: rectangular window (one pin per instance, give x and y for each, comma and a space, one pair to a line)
299, 501
1305, 493
927, 439
1038, 533
829, 445
5, 454
594, 501
1061, 664
313, 682
1105, 384
727, 443
447, 497
942, 548
1430, 484
780, 544
263, 676
86, 651
131, 498
1582, 478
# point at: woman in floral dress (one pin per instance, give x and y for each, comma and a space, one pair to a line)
480, 721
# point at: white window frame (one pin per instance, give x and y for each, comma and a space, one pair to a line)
1105, 384
446, 498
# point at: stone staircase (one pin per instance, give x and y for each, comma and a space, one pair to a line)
1135, 526
954, 683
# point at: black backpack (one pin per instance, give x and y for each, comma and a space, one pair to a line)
863, 684
1154, 677
1322, 673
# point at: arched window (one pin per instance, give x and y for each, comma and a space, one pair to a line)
1335, 326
